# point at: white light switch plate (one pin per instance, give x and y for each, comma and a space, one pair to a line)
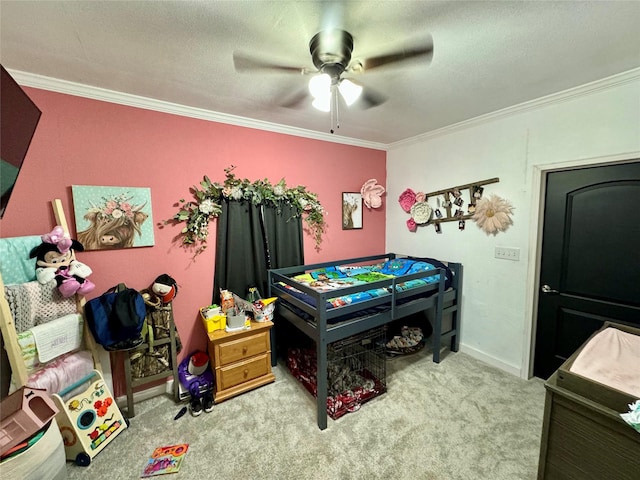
508, 253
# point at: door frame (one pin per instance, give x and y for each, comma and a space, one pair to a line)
536, 222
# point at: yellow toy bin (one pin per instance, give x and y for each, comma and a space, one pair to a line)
211, 324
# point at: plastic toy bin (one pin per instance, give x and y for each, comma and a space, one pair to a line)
213, 323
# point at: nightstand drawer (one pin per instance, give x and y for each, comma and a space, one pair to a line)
245, 347
242, 372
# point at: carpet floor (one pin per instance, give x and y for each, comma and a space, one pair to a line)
457, 420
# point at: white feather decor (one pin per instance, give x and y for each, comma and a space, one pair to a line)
493, 214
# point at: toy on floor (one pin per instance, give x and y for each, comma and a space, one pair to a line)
56, 260
196, 376
22, 414
89, 420
165, 460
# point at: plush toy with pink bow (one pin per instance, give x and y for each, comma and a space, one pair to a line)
56, 260
372, 193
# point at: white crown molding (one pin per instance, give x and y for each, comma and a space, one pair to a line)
96, 93
582, 90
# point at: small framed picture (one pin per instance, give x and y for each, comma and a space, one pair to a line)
471, 208
351, 211
456, 192
459, 201
477, 191
438, 213
437, 227
461, 225
458, 213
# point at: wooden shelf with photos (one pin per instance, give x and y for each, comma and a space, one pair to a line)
450, 202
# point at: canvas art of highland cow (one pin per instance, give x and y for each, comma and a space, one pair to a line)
113, 221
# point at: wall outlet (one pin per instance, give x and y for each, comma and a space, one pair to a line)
508, 253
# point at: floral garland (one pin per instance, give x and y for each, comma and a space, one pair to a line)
208, 205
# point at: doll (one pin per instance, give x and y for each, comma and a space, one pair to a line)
55, 260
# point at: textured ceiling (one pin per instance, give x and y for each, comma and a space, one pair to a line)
488, 55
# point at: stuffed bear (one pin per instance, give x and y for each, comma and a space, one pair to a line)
56, 261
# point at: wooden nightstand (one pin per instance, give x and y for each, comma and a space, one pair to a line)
241, 361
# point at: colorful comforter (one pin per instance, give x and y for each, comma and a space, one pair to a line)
339, 277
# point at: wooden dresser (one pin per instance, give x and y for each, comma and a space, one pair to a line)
241, 361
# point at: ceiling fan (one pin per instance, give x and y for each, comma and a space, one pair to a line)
331, 52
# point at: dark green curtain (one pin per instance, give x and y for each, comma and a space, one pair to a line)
250, 240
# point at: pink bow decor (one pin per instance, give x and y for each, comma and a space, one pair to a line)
58, 238
372, 193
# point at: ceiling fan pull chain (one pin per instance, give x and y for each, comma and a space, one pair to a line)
337, 103
333, 111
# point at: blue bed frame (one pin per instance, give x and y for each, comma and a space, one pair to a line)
325, 326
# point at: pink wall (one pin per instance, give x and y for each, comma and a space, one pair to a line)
87, 142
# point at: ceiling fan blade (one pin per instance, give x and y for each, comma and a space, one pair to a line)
371, 98
297, 99
425, 50
244, 63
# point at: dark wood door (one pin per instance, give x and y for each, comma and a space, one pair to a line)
590, 267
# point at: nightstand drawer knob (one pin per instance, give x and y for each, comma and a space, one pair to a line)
244, 350
246, 373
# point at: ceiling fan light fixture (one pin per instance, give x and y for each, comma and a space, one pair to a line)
350, 91
320, 86
322, 103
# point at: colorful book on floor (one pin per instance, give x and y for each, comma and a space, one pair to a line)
165, 460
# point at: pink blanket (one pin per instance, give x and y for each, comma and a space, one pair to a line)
611, 357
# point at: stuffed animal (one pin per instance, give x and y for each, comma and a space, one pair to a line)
165, 288
56, 261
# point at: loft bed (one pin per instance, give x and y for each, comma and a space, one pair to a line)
332, 301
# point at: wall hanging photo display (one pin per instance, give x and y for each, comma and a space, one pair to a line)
109, 218
458, 203
351, 211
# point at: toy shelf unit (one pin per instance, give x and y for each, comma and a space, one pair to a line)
156, 358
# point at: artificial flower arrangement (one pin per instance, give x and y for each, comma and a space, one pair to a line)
415, 204
492, 215
207, 205
372, 193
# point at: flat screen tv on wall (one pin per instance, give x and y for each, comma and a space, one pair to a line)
19, 117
